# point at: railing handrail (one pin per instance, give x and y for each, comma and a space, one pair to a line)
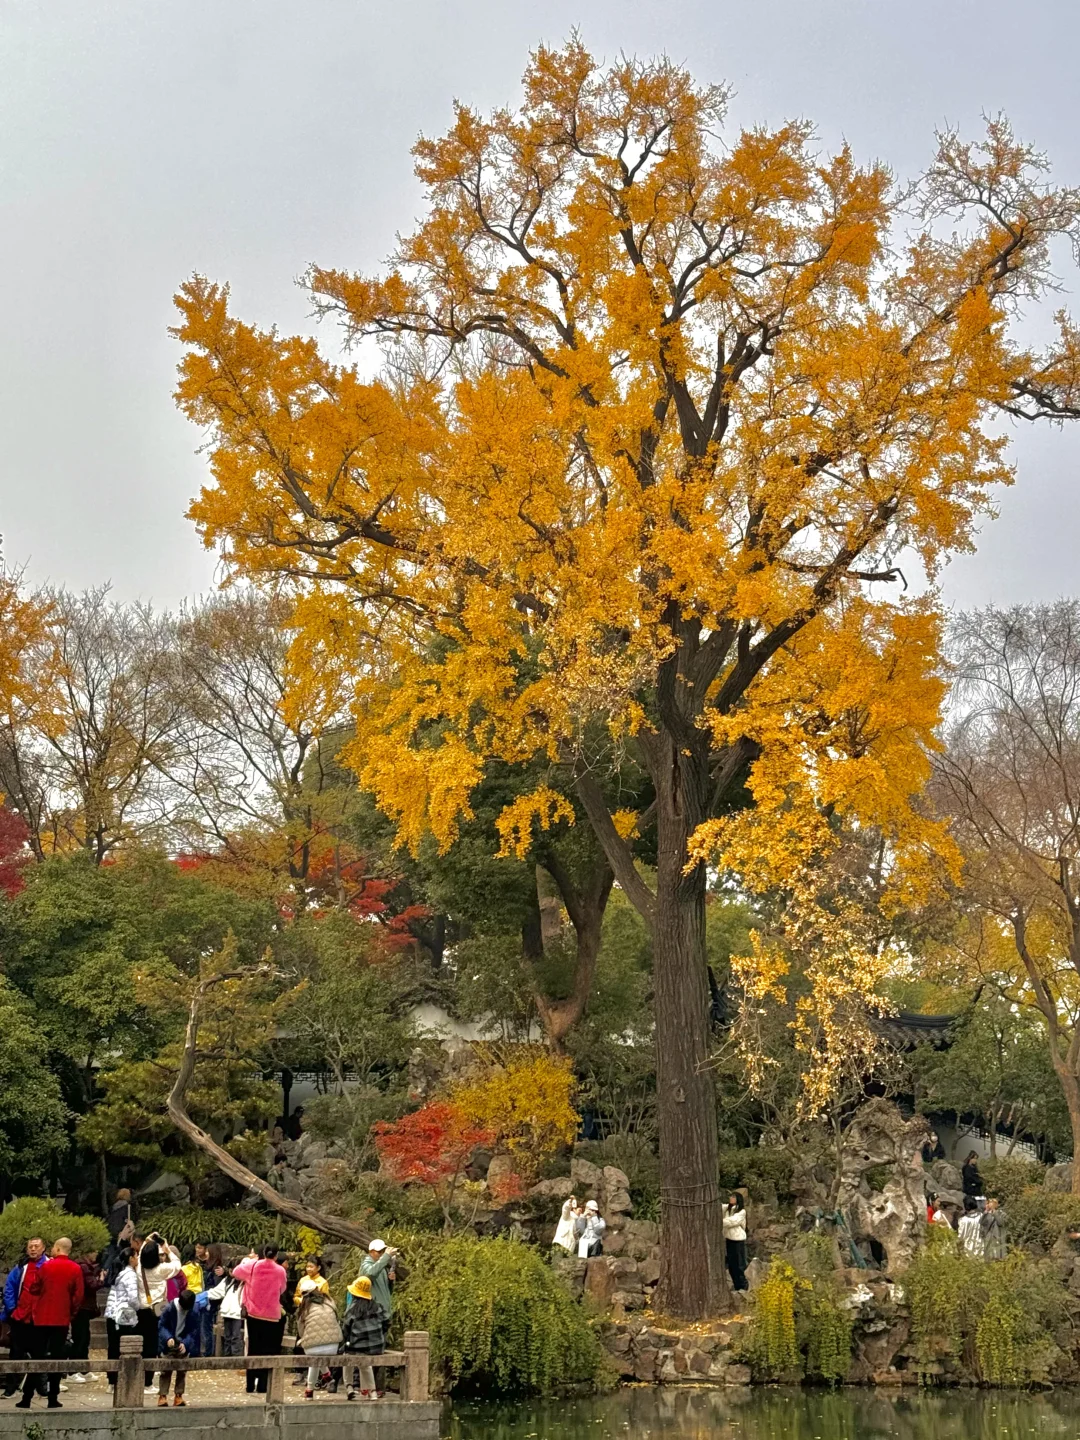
291, 1360
129, 1367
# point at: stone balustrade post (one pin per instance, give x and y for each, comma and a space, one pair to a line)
128, 1394
417, 1357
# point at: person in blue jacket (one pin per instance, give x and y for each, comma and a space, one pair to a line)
179, 1335
15, 1307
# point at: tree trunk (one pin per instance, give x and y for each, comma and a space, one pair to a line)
585, 907
692, 1280
560, 1016
1071, 1086
176, 1108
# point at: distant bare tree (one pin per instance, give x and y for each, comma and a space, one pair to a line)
1009, 778
252, 761
86, 765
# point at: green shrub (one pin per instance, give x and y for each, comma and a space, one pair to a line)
765, 1171
825, 1332
500, 1319
799, 1324
186, 1224
30, 1216
1041, 1217
1001, 1312
376, 1201
1009, 1178
348, 1118
772, 1347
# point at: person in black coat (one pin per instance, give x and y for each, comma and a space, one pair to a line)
121, 1217
362, 1334
972, 1180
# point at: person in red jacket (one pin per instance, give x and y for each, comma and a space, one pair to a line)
57, 1296
19, 1305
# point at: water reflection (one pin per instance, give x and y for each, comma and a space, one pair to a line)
775, 1415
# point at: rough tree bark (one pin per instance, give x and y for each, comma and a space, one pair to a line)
176, 1107
677, 758
686, 1100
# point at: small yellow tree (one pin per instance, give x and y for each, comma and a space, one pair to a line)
527, 1106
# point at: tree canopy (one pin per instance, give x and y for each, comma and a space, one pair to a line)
657, 416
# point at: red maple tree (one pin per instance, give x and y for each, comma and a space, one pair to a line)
431, 1147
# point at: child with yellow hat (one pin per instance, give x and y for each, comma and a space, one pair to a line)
363, 1335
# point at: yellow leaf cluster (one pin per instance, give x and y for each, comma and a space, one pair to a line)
527, 1103
661, 416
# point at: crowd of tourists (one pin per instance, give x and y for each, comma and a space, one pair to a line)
982, 1226
188, 1306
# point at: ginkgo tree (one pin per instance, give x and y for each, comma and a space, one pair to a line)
660, 416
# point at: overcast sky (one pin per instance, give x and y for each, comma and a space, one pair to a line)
142, 140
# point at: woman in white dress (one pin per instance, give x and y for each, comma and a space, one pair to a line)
565, 1236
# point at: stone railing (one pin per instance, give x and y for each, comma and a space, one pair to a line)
131, 1366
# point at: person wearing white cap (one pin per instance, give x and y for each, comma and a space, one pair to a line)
589, 1227
377, 1265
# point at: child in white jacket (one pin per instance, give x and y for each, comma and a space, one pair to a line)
230, 1294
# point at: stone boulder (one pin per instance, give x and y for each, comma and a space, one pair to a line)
600, 1281
572, 1272
887, 1220
587, 1179
614, 1197
945, 1177
164, 1191
500, 1172
1059, 1178
560, 1189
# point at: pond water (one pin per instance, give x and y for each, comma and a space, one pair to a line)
775, 1414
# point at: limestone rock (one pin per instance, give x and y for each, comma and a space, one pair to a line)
628, 1300
946, 1177
892, 1217
643, 1232
1059, 1178
600, 1281
572, 1272
587, 1177
618, 1202
737, 1375
561, 1188
649, 1270
756, 1272
165, 1190
479, 1161
500, 1171
645, 1365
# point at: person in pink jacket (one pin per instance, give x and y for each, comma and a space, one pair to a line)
264, 1284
